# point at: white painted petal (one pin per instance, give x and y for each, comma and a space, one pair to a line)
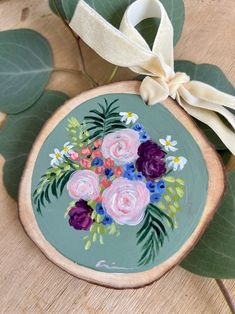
128, 120
162, 141
66, 144
170, 158
135, 117
123, 113
173, 143
173, 149
167, 148
175, 167
168, 138
52, 155
171, 163
56, 150
123, 119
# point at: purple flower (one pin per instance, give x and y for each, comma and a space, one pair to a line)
150, 149
151, 168
80, 216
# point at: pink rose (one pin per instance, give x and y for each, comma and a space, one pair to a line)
74, 155
85, 163
96, 153
86, 151
108, 163
83, 184
125, 201
121, 146
98, 142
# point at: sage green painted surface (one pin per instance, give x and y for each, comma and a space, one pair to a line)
122, 250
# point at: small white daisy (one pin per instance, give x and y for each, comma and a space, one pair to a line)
128, 117
177, 163
67, 149
168, 144
57, 157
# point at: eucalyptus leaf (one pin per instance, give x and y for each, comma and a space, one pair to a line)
214, 255
113, 10
18, 134
212, 75
57, 7
25, 68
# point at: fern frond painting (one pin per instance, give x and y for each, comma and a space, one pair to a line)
116, 174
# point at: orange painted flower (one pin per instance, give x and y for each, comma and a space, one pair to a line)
96, 153
74, 155
86, 151
99, 170
105, 183
108, 162
99, 198
98, 143
118, 171
85, 163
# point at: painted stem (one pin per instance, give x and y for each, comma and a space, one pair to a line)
226, 295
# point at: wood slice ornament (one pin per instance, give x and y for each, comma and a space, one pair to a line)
117, 192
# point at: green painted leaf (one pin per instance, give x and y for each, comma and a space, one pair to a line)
113, 10
214, 255
18, 134
25, 68
212, 75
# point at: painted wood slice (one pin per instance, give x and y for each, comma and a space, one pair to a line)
117, 192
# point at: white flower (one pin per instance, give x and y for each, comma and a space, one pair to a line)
177, 163
57, 157
67, 149
168, 144
128, 117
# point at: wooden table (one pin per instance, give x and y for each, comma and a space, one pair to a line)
29, 283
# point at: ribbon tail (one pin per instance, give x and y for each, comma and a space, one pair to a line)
211, 119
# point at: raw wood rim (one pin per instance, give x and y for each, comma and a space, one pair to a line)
216, 186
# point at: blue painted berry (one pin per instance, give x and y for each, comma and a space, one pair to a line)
151, 186
107, 220
99, 209
144, 137
161, 187
138, 127
97, 162
154, 198
130, 167
108, 172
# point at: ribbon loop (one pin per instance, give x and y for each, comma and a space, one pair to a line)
126, 47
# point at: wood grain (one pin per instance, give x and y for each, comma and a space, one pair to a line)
216, 186
29, 283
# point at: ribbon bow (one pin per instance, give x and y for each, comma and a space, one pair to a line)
127, 48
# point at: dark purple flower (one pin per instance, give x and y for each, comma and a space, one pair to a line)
80, 216
150, 149
152, 168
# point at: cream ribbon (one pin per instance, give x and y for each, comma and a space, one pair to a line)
127, 48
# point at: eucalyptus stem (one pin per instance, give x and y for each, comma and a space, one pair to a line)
83, 70
111, 77
226, 295
72, 71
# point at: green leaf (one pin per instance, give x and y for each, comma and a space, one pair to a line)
214, 255
56, 5
212, 75
113, 11
18, 134
25, 68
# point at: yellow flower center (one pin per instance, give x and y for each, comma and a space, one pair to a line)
129, 114
176, 159
57, 155
66, 149
168, 143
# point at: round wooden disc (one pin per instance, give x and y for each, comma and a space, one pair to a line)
204, 187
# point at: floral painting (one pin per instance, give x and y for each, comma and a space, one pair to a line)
115, 175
